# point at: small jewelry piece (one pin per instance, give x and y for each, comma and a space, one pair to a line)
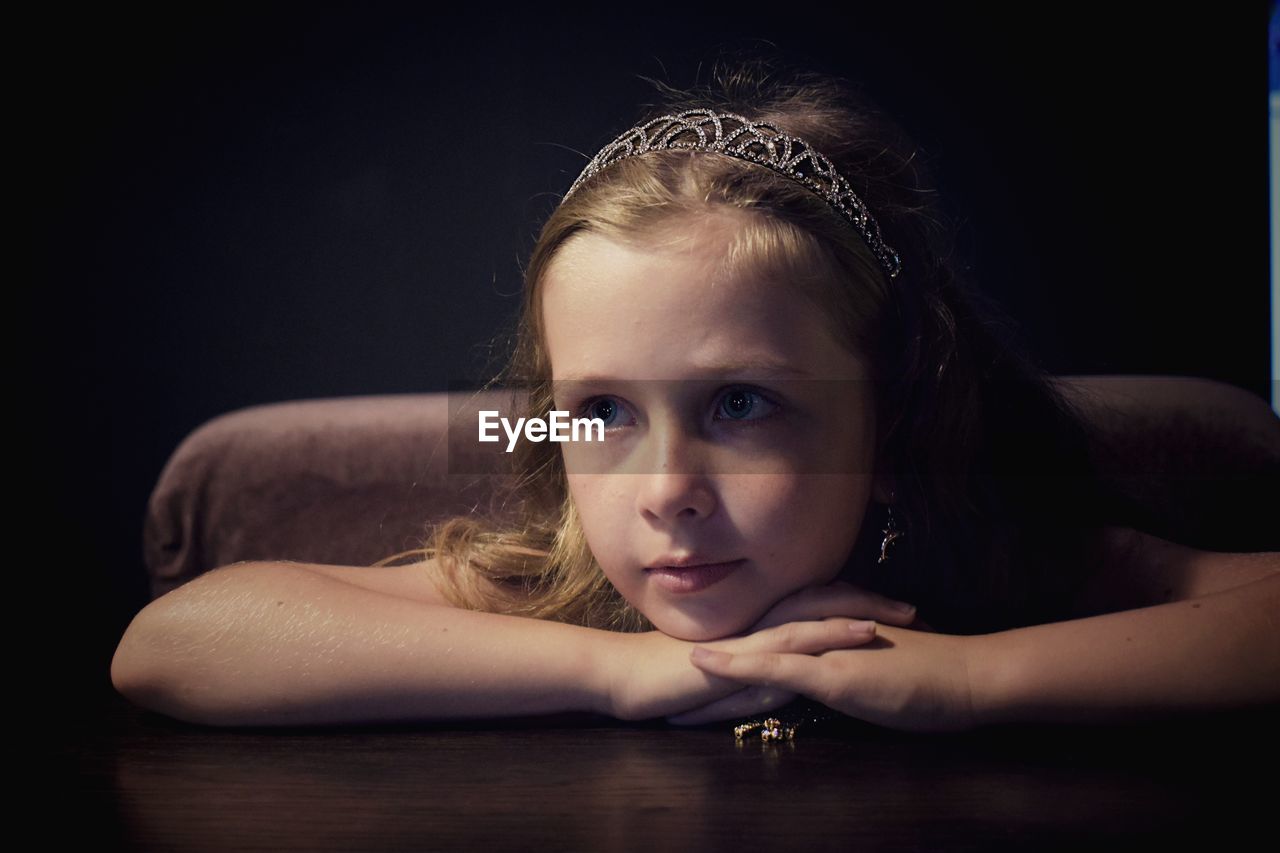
770, 729
891, 534
773, 729
756, 142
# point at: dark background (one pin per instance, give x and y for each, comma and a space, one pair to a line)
246, 205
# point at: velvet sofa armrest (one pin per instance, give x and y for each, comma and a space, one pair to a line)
346, 481
1191, 460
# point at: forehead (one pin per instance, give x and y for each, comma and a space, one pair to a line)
671, 307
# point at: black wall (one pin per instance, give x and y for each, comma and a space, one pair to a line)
272, 203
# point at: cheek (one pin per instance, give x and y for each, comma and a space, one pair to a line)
779, 509
814, 516
842, 505
600, 509
595, 504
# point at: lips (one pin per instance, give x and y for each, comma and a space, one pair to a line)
691, 574
686, 562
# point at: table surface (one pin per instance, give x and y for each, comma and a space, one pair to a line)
147, 782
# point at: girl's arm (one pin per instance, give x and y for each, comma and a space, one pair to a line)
293, 644
1216, 646
1219, 648
281, 644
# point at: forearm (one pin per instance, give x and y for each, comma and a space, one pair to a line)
1218, 651
273, 644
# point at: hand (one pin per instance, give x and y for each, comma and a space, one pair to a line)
905, 679
801, 611
651, 674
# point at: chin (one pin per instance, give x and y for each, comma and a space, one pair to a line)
694, 631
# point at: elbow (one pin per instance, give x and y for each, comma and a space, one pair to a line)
133, 675
132, 663
141, 674
132, 682
124, 674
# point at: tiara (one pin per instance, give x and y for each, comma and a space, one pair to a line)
757, 142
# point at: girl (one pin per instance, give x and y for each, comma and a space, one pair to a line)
809, 418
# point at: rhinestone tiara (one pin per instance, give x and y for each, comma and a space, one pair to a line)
757, 142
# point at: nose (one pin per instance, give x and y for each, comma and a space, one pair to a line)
675, 484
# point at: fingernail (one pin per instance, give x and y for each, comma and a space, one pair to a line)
862, 627
904, 607
701, 655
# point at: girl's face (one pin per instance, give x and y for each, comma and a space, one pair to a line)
737, 430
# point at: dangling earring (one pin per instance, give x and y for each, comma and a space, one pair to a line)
891, 534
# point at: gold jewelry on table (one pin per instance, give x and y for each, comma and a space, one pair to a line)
774, 729
770, 729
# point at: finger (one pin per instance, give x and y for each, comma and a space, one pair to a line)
837, 599
798, 673
804, 638
745, 703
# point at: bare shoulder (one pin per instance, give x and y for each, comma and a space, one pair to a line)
1132, 568
420, 581
1118, 547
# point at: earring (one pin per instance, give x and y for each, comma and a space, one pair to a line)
891, 534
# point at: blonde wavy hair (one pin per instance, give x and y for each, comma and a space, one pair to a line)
935, 348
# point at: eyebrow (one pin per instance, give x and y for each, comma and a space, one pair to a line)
763, 368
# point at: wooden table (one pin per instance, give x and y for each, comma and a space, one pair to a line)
147, 782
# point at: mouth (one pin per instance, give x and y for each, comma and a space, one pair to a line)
692, 576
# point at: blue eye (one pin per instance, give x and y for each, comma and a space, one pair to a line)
604, 408
741, 403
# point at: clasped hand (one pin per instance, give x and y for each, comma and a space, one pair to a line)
806, 644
